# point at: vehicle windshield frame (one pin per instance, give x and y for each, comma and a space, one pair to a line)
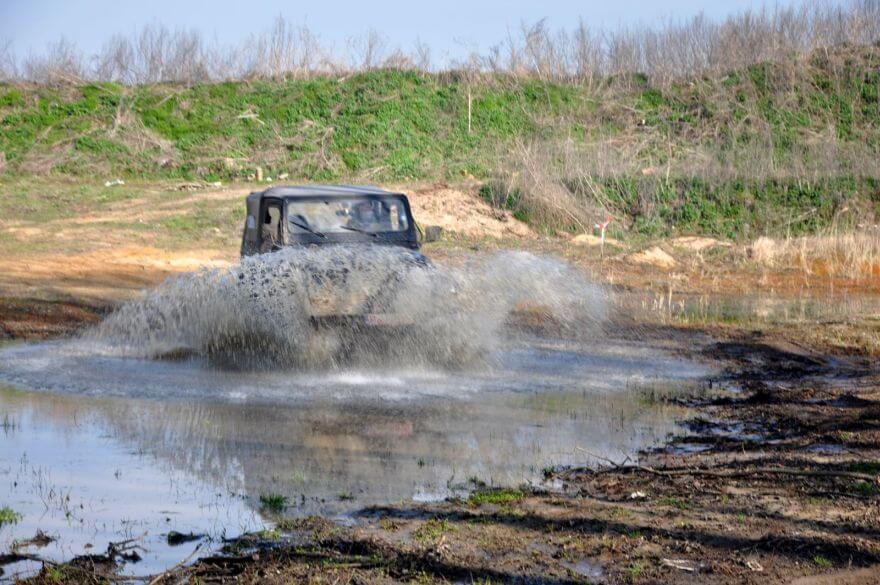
403, 237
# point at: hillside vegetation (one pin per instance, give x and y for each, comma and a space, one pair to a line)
786, 147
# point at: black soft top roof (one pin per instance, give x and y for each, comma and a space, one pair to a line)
320, 191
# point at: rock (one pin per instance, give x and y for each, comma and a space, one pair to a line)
654, 256
433, 233
114, 182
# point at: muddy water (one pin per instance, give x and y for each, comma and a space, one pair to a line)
104, 442
107, 448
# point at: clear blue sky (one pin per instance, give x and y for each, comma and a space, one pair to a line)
447, 26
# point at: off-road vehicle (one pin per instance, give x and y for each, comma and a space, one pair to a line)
358, 219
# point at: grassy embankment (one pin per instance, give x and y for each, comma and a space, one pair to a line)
778, 149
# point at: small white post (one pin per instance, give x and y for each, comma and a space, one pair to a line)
602, 227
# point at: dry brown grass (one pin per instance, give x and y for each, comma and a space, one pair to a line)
852, 255
542, 195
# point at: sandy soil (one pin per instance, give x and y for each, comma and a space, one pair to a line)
461, 212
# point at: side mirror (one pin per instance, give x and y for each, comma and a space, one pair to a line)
431, 233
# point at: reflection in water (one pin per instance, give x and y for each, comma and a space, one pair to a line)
186, 459
66, 476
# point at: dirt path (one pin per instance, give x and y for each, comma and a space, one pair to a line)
56, 294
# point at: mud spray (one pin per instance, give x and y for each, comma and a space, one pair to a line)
323, 307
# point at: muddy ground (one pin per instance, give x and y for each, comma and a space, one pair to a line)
777, 481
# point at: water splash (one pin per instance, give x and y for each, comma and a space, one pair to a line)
320, 307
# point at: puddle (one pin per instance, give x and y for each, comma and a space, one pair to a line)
104, 448
64, 471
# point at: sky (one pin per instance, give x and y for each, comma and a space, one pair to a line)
451, 28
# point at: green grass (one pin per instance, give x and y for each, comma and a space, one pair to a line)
871, 467
495, 497
273, 502
9, 516
865, 488
394, 125
674, 503
269, 534
433, 529
822, 562
387, 126
636, 569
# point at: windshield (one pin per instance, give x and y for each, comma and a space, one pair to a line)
344, 215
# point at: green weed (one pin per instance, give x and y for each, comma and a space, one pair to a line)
674, 502
433, 529
870, 467
9, 516
496, 497
273, 502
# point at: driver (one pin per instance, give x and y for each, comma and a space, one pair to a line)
363, 216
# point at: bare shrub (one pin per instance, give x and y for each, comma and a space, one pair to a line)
688, 47
367, 52
62, 62
422, 58
664, 53
283, 52
399, 60
532, 183
155, 55
8, 64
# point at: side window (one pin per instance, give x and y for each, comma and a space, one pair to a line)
270, 232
